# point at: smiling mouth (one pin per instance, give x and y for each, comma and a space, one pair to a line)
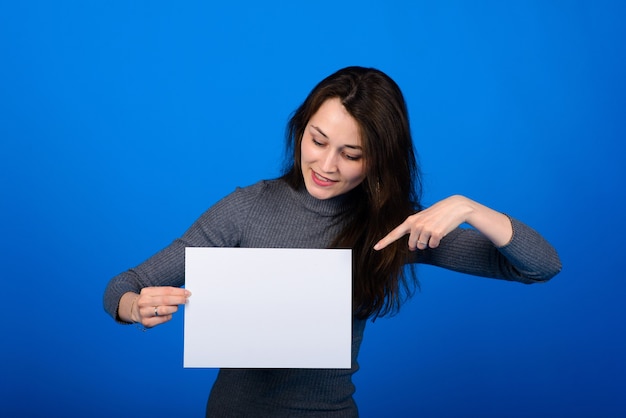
321, 180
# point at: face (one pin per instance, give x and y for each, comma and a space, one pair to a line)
331, 152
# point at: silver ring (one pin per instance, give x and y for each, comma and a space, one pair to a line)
156, 311
423, 243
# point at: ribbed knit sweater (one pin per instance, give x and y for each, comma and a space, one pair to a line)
270, 214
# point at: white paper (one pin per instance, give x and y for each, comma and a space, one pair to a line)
268, 308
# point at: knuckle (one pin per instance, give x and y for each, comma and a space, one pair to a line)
148, 290
169, 290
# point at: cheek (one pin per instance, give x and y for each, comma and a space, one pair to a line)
305, 151
357, 174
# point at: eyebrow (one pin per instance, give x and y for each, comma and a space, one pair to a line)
326, 136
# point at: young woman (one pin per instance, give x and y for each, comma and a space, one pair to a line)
352, 182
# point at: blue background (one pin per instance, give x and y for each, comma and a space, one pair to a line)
122, 121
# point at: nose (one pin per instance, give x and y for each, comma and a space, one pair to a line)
329, 161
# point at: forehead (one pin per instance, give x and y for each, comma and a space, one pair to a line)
333, 121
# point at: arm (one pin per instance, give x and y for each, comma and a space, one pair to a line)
498, 247
428, 227
165, 269
164, 272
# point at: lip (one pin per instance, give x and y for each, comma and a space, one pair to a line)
317, 179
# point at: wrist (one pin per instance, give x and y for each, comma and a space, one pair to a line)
467, 208
127, 310
493, 224
134, 317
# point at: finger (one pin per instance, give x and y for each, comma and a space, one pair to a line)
164, 310
397, 233
165, 300
148, 310
434, 241
155, 320
151, 316
154, 296
414, 238
422, 243
165, 290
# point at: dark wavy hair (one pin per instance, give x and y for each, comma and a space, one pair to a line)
389, 193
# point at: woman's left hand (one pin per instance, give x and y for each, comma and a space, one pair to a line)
428, 227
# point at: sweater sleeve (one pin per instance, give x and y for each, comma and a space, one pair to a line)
527, 258
219, 226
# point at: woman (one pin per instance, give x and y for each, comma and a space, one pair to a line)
352, 182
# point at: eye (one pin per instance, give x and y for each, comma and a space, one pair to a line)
316, 142
352, 157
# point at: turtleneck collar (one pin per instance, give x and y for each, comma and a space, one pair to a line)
337, 205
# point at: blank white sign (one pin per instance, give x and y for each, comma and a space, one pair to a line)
268, 308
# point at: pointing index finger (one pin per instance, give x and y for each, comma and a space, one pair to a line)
394, 235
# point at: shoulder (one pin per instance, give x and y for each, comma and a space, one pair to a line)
222, 223
261, 192
263, 188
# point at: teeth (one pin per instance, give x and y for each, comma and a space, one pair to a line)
321, 178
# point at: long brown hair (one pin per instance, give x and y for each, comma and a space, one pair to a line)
389, 193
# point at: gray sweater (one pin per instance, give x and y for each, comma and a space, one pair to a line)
270, 214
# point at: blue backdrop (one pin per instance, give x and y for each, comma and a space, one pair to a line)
122, 121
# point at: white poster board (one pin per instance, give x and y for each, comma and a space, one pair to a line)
268, 308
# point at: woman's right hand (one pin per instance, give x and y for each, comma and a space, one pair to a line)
153, 306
